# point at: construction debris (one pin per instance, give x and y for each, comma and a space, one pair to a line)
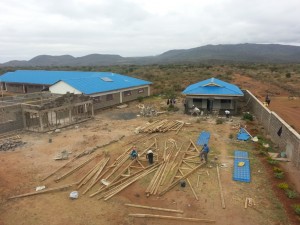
11, 143
147, 111
249, 202
74, 195
63, 155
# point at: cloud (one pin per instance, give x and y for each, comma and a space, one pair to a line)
140, 27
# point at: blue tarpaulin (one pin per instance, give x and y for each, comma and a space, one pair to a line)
241, 173
243, 135
203, 138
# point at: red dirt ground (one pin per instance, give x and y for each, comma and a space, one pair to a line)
22, 170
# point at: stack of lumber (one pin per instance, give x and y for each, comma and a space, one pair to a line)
162, 126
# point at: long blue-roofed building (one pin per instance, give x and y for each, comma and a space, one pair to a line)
105, 88
212, 96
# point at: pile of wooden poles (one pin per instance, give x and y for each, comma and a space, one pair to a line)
162, 126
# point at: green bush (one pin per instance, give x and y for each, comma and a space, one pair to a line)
272, 161
291, 193
247, 116
283, 186
279, 175
297, 209
277, 169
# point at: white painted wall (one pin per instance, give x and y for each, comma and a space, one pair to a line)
62, 88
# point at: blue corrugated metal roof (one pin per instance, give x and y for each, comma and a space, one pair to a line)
96, 84
86, 82
213, 86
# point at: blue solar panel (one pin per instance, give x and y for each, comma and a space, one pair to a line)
241, 173
203, 138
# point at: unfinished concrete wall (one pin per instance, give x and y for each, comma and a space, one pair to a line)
10, 117
29, 97
280, 132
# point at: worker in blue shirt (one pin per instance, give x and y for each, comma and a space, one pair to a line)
133, 154
204, 152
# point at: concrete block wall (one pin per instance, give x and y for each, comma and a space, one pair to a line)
11, 118
134, 94
288, 141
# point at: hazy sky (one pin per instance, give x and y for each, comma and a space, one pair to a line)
140, 27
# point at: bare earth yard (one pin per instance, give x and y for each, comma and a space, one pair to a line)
23, 169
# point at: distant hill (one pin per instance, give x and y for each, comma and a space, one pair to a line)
259, 53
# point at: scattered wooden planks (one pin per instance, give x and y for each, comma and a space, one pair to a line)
76, 168
109, 194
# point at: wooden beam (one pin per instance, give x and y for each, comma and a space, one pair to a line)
155, 208
171, 218
43, 191
221, 189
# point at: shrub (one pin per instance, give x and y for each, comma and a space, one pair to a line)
283, 186
277, 169
272, 161
279, 175
247, 116
291, 193
262, 152
297, 209
230, 136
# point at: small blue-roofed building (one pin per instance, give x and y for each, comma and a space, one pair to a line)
105, 88
212, 96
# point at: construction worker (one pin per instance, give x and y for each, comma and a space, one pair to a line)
149, 156
133, 154
204, 152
